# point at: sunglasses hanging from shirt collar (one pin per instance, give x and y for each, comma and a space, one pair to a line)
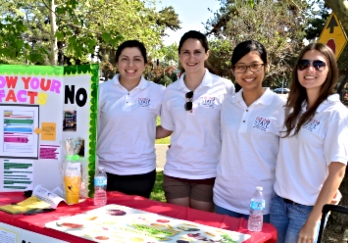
188, 104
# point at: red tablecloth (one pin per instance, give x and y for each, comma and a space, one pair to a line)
36, 223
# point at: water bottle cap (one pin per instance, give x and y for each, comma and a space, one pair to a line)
259, 188
100, 167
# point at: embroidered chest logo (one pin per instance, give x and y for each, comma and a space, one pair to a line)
312, 125
261, 123
144, 102
207, 101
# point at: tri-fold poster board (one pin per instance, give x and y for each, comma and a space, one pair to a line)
40, 107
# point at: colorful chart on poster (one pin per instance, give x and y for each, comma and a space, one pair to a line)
17, 122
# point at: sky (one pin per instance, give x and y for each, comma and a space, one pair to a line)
192, 13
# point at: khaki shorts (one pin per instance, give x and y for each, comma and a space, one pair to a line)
200, 190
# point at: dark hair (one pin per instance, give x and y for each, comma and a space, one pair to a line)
192, 34
131, 43
298, 93
245, 47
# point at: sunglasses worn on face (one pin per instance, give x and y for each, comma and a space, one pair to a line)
317, 64
188, 104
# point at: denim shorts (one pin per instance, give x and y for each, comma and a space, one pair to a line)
288, 218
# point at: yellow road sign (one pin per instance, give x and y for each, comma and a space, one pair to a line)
333, 35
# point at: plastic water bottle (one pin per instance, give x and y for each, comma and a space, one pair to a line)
100, 181
257, 205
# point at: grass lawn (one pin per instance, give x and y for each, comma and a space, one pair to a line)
162, 140
157, 191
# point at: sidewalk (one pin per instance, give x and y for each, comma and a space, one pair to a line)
161, 150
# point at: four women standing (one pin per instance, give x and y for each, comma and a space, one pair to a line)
301, 149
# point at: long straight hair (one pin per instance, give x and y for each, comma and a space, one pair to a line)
298, 94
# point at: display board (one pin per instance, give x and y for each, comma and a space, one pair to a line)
40, 106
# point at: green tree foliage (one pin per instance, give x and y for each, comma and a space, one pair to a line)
165, 80
317, 17
278, 25
164, 75
27, 29
147, 26
219, 57
161, 68
10, 40
169, 18
21, 32
168, 55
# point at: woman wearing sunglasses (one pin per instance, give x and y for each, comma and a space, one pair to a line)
191, 112
128, 107
251, 122
313, 150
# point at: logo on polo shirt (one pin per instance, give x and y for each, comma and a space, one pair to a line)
311, 125
207, 101
261, 123
144, 102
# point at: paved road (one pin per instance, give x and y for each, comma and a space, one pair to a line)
161, 150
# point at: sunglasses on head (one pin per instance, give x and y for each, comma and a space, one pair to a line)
317, 64
188, 104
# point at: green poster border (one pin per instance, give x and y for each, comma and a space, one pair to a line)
94, 70
30, 70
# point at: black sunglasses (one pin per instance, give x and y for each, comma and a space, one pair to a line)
188, 104
317, 64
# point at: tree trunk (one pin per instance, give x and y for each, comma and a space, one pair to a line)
54, 48
340, 8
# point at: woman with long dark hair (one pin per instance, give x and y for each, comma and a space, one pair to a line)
313, 151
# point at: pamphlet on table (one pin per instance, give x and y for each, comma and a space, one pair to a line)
40, 199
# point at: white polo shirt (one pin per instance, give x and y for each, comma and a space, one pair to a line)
127, 126
196, 140
250, 140
303, 160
